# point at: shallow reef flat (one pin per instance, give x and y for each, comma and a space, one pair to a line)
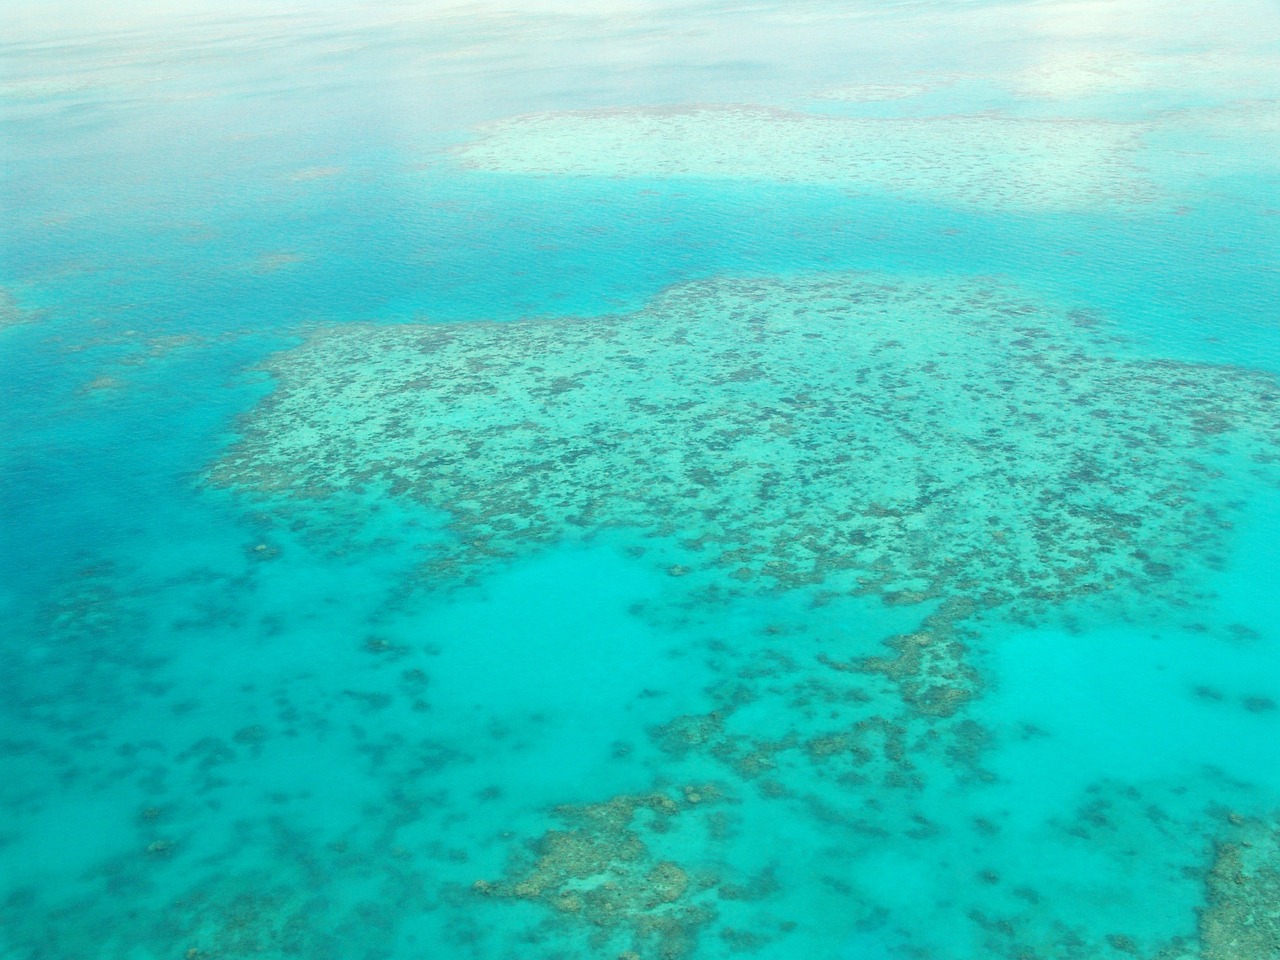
931, 460
1242, 918
949, 443
1071, 74
981, 161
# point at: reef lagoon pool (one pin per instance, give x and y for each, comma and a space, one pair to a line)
640, 480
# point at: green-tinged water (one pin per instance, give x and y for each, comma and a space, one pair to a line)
682, 481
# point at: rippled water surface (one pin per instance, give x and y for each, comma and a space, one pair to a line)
680, 480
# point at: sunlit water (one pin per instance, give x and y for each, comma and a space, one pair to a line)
669, 481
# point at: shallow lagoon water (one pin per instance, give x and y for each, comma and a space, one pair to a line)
505, 484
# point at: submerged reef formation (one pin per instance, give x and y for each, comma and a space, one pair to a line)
943, 452
600, 871
947, 444
10, 313
1242, 916
981, 161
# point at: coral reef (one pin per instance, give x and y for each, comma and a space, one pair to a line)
10, 313
945, 452
780, 431
1241, 919
979, 161
599, 872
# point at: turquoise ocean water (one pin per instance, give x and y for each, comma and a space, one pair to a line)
642, 481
